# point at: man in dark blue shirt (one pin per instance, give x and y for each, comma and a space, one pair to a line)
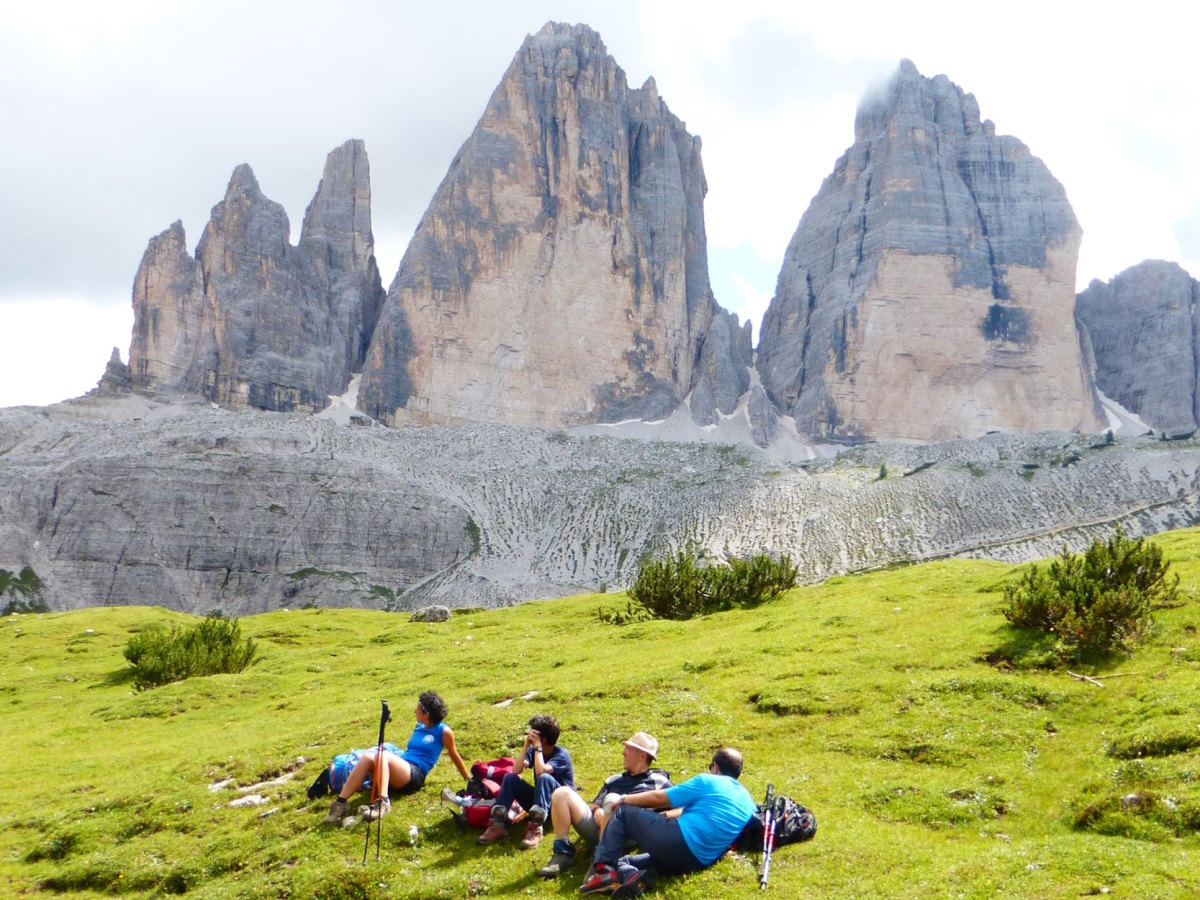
552, 769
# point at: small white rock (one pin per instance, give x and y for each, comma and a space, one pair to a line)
249, 800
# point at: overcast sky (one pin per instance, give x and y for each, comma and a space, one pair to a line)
118, 118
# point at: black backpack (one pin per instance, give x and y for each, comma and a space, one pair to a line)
793, 823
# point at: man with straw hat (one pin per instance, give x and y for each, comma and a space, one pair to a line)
568, 809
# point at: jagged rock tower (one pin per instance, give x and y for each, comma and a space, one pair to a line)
928, 292
252, 320
559, 276
1143, 329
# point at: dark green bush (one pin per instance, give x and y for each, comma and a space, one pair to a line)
1097, 603
679, 587
1142, 815
1161, 741
210, 647
23, 589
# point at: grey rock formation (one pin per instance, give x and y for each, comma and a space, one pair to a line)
431, 614
252, 321
559, 275
1142, 328
116, 379
135, 500
928, 291
761, 413
723, 371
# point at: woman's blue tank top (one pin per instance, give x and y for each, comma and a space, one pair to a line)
425, 746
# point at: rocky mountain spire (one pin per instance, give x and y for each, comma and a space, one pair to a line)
928, 290
170, 344
252, 320
559, 275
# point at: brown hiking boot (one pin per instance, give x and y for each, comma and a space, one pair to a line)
496, 829
378, 809
533, 835
337, 812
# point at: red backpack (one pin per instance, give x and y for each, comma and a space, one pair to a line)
473, 804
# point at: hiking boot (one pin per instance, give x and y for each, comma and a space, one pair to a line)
634, 883
337, 811
602, 879
533, 835
496, 829
378, 810
448, 796
558, 864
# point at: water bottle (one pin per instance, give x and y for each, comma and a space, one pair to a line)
413, 835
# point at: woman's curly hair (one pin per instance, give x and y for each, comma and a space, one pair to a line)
434, 706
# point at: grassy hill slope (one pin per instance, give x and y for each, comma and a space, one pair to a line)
932, 771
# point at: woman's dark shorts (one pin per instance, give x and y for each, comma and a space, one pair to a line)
415, 783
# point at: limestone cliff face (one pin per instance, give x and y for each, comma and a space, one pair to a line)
1144, 331
559, 276
928, 292
166, 501
253, 321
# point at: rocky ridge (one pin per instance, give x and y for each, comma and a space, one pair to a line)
139, 501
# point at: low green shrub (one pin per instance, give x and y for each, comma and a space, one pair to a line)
1161, 741
631, 614
679, 587
211, 647
1097, 603
23, 590
1141, 815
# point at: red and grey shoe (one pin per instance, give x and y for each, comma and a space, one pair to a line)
601, 879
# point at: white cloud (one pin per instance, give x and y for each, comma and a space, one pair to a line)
77, 337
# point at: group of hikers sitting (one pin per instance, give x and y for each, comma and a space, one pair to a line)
639, 822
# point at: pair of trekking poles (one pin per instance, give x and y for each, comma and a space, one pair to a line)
770, 820
385, 716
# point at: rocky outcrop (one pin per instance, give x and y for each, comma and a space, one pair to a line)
253, 321
137, 501
116, 379
723, 370
1143, 328
559, 275
928, 291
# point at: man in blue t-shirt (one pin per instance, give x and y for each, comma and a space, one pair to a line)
708, 813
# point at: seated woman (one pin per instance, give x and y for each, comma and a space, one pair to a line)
405, 772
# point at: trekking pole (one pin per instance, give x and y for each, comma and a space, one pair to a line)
385, 716
768, 836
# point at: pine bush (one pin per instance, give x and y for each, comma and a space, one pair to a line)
679, 587
211, 647
1097, 603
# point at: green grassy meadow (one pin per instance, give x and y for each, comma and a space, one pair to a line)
898, 705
